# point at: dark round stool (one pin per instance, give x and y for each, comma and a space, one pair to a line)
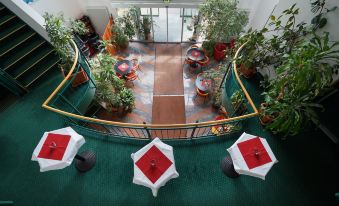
85, 161
227, 167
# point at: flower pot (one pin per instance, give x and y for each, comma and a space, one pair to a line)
265, 119
220, 51
247, 72
147, 36
80, 78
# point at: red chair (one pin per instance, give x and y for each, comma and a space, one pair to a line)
201, 93
136, 65
131, 77
119, 75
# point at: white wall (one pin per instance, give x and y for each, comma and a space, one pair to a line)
262, 12
69, 8
306, 15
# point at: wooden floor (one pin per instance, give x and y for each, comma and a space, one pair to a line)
168, 98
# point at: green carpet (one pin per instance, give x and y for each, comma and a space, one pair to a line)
306, 174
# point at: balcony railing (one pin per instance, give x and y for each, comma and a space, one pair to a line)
66, 101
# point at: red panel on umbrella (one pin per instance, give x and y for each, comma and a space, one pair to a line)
123, 67
254, 153
195, 53
54, 146
153, 164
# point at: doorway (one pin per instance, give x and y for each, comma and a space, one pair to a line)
168, 25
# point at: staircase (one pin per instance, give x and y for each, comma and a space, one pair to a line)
24, 55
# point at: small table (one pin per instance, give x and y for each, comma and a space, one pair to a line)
123, 67
195, 54
203, 84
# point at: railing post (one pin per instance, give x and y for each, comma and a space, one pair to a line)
192, 135
147, 131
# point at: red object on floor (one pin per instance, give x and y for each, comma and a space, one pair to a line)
254, 153
153, 164
232, 43
219, 51
54, 146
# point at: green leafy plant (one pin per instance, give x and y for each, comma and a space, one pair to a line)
318, 8
78, 27
119, 39
304, 75
238, 102
60, 36
222, 19
208, 46
127, 99
111, 89
126, 23
146, 26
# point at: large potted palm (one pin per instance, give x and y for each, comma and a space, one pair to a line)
221, 21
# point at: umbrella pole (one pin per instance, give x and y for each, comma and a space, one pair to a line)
85, 161
228, 168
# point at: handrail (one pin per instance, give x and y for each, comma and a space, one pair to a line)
94, 120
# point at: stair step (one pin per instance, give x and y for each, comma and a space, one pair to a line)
26, 49
38, 70
12, 28
18, 38
2, 7
5, 18
38, 56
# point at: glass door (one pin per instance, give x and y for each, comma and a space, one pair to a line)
163, 25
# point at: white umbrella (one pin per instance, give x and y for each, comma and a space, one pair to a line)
57, 149
154, 165
251, 155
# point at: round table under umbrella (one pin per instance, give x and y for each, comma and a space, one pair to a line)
123, 67
57, 149
195, 54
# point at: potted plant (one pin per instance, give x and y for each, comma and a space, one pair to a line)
238, 102
60, 37
119, 38
208, 46
304, 75
221, 20
127, 99
146, 27
126, 23
111, 90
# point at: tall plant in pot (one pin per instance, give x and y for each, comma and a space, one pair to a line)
119, 38
249, 56
146, 27
61, 36
221, 21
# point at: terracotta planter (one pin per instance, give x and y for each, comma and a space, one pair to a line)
247, 72
266, 119
147, 36
220, 51
80, 78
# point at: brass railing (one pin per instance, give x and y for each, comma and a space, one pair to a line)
149, 130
